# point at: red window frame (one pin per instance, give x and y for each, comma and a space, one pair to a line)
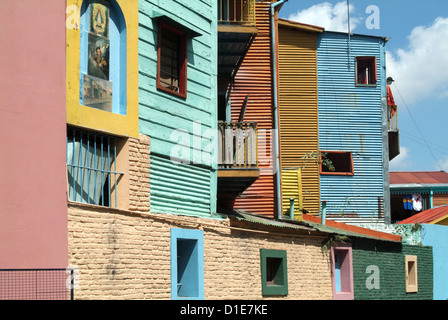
369, 62
350, 172
182, 59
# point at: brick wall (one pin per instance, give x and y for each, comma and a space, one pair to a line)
126, 255
390, 259
139, 164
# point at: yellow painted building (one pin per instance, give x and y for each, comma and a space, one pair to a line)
298, 115
121, 37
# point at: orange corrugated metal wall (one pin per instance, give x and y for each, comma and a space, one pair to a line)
298, 109
440, 200
255, 78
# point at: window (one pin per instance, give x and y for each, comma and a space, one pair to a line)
411, 274
274, 275
342, 273
172, 60
92, 167
365, 70
336, 162
187, 264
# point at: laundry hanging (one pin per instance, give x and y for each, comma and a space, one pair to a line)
417, 204
407, 202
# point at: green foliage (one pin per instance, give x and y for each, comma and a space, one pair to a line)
317, 158
333, 241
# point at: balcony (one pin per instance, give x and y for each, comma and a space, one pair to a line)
236, 31
237, 160
394, 136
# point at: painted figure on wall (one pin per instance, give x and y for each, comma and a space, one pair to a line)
390, 98
99, 18
97, 87
98, 57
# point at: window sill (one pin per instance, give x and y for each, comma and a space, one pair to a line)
174, 93
343, 296
337, 173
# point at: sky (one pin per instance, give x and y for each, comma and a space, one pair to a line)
417, 59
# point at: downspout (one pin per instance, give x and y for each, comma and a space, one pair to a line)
431, 198
275, 106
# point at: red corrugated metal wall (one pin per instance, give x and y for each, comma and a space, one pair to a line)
255, 78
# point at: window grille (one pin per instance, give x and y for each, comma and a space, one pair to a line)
92, 168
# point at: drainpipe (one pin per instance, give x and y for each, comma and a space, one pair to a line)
431, 198
275, 104
324, 212
291, 208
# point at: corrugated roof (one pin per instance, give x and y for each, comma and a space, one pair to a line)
313, 223
299, 25
349, 230
419, 177
263, 220
429, 216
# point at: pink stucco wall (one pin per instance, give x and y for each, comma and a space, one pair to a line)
33, 207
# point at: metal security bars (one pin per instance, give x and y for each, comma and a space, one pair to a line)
36, 284
237, 12
92, 168
237, 145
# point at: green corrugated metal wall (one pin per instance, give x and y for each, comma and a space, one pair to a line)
179, 188
177, 126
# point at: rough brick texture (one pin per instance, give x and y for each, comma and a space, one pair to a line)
126, 255
139, 165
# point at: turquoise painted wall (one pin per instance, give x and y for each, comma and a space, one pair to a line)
351, 120
437, 237
181, 129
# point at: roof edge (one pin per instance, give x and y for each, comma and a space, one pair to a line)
299, 25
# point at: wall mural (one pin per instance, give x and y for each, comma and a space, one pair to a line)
97, 88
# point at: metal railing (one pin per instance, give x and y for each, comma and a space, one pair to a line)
237, 12
36, 284
392, 121
237, 145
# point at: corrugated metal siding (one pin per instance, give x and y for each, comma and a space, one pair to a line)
255, 78
178, 188
350, 119
180, 127
298, 109
291, 189
440, 200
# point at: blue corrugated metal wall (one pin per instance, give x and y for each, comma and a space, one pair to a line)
351, 120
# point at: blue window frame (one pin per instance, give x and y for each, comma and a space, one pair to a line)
187, 264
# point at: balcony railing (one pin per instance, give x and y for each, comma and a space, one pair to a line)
392, 122
237, 145
237, 12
